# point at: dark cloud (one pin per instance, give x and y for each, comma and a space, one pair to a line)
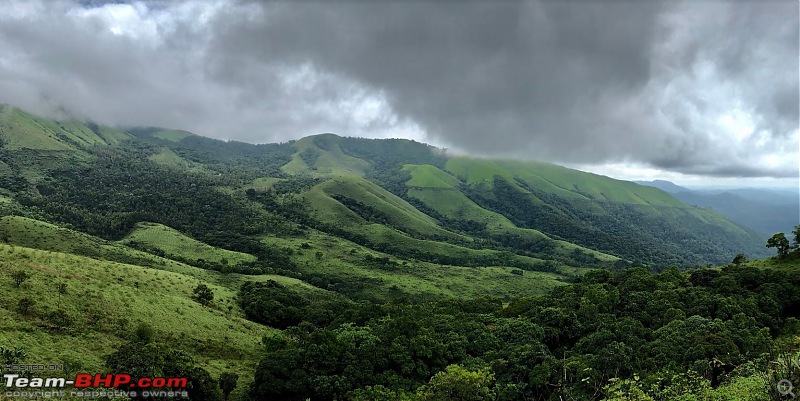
672, 85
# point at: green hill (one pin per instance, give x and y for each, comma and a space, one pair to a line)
104, 301
392, 195
175, 245
360, 269
21, 130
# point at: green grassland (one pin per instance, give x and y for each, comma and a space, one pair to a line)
21, 130
349, 263
399, 213
558, 180
395, 236
427, 176
171, 135
166, 157
104, 304
37, 234
440, 191
262, 183
327, 157
172, 242
790, 264
31, 233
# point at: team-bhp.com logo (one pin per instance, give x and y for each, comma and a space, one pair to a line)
123, 384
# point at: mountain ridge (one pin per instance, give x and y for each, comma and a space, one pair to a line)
527, 208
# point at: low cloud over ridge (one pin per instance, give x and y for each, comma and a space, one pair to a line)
702, 88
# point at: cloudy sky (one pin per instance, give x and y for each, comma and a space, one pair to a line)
699, 92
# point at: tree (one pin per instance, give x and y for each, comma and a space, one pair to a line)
12, 356
780, 242
60, 319
62, 290
19, 277
459, 384
24, 305
203, 294
796, 236
143, 334
227, 383
739, 259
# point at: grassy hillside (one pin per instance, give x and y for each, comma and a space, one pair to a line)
557, 180
441, 192
321, 154
104, 301
21, 130
382, 262
31, 233
175, 244
385, 206
166, 157
336, 264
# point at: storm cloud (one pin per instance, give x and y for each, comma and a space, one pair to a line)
704, 88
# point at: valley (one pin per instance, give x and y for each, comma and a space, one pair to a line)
373, 269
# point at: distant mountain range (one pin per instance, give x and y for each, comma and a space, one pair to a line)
402, 198
766, 210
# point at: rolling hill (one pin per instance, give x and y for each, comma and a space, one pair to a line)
337, 263
405, 198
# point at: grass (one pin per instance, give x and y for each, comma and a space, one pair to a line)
348, 261
173, 242
400, 214
30, 233
171, 135
791, 264
21, 130
427, 176
330, 159
104, 303
262, 183
558, 180
327, 209
37, 234
166, 157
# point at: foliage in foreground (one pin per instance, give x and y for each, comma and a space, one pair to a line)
611, 336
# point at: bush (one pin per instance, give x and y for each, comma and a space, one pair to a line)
203, 294
24, 305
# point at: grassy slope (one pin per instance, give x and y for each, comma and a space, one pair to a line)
595, 193
330, 159
32, 233
329, 210
557, 180
219, 339
171, 135
166, 157
346, 260
262, 183
791, 264
173, 242
21, 130
401, 214
579, 185
439, 191
41, 235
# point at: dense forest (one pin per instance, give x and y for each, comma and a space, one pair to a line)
661, 335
